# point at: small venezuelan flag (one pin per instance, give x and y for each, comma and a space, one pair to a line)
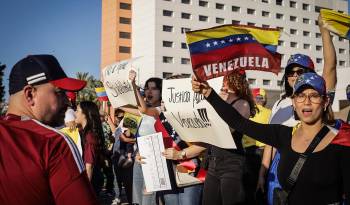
101, 94
336, 22
220, 50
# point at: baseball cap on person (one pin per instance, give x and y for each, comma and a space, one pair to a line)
40, 69
300, 60
312, 80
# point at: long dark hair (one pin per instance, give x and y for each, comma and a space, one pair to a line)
93, 124
288, 90
238, 83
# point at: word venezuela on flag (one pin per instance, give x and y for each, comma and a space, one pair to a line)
220, 50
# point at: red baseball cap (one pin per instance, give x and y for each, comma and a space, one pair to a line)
40, 69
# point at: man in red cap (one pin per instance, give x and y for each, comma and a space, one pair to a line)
39, 165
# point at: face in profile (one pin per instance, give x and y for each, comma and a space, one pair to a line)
50, 104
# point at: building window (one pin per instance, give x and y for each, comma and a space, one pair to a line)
124, 49
124, 20
266, 82
293, 4
184, 30
279, 16
265, 26
341, 63
341, 50
250, 24
125, 6
280, 28
236, 8
265, 1
318, 48
306, 46
279, 82
235, 22
251, 11
185, 61
167, 28
203, 18
168, 44
220, 20
306, 33
220, 6
126, 35
183, 45
306, 7
306, 21
318, 9
318, 60
293, 18
293, 44
340, 38
252, 81
186, 1
185, 15
280, 43
203, 3
167, 13
293, 31
279, 2
168, 59
167, 75
318, 35
265, 13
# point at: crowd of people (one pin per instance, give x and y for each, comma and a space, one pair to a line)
296, 153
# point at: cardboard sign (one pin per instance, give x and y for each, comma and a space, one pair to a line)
193, 118
115, 80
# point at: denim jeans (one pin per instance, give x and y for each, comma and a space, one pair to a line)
138, 195
191, 195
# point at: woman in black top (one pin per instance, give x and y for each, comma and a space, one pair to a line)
224, 180
325, 176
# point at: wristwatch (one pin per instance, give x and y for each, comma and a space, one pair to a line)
183, 154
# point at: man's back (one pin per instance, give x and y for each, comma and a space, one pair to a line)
38, 165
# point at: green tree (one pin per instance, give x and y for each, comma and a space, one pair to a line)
88, 93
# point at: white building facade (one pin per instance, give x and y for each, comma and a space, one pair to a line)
158, 32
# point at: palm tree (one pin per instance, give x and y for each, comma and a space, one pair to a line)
88, 93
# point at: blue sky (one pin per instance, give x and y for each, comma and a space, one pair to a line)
68, 29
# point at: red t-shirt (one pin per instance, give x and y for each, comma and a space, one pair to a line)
39, 165
90, 151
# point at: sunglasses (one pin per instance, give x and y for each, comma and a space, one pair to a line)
293, 72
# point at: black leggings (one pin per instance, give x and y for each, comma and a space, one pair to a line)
223, 183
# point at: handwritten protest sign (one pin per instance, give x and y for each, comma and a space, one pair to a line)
192, 117
118, 87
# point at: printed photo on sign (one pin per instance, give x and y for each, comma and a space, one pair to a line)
115, 81
192, 117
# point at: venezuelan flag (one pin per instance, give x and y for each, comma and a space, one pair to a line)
220, 50
336, 22
101, 94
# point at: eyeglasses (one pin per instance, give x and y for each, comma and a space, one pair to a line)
313, 97
298, 72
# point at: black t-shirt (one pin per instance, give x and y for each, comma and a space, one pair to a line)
325, 176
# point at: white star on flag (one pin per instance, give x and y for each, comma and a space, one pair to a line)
215, 43
207, 45
246, 38
223, 41
307, 81
238, 39
230, 40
